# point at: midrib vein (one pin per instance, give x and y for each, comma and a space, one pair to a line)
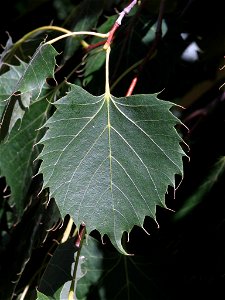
109, 140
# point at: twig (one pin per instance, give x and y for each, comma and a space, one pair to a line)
118, 22
93, 46
80, 235
78, 245
158, 35
74, 33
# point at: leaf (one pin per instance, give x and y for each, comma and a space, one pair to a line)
108, 161
6, 51
113, 276
40, 67
85, 17
18, 152
57, 278
151, 34
41, 296
102, 273
138, 29
50, 219
91, 266
32, 81
96, 58
8, 82
192, 201
17, 252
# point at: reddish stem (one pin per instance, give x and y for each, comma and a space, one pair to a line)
132, 86
93, 46
111, 35
158, 35
80, 235
117, 24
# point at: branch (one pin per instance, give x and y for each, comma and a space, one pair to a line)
118, 22
158, 36
74, 33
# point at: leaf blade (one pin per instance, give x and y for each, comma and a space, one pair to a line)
109, 159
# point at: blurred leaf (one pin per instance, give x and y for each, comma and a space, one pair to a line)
152, 6
56, 280
96, 58
202, 190
4, 53
50, 219
41, 296
150, 35
63, 8
113, 276
85, 17
91, 267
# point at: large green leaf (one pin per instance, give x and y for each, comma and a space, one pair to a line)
108, 161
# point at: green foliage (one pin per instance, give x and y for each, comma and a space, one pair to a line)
98, 199
8, 83
95, 60
83, 17
58, 275
202, 190
110, 275
20, 151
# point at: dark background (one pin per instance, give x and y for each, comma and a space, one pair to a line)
187, 255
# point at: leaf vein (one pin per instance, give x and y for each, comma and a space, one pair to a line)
145, 133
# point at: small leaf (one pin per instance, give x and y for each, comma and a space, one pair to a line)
109, 161
8, 82
151, 34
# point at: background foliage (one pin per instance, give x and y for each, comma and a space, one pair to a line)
185, 256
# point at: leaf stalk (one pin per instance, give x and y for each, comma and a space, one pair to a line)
107, 87
74, 33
